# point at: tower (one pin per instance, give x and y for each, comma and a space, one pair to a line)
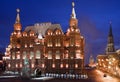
73, 21
110, 45
16, 34
17, 25
74, 43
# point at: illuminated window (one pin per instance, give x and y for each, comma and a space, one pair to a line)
13, 55
24, 34
43, 65
77, 30
76, 65
49, 32
16, 65
78, 54
18, 56
24, 54
72, 42
66, 65
53, 65
66, 55
31, 54
25, 45
57, 54
38, 54
31, 33
32, 65
72, 29
77, 43
57, 43
49, 54
9, 65
49, 43
20, 65
31, 45
61, 65
18, 45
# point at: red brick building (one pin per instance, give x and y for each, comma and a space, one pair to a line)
55, 52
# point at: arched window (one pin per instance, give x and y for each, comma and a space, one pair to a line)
49, 43
57, 54
57, 42
38, 54
72, 41
24, 54
31, 54
13, 55
49, 54
78, 54
66, 55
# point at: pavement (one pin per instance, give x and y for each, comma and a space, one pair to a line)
93, 74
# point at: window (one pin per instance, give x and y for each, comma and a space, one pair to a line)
77, 43
49, 43
76, 65
9, 65
66, 65
24, 54
13, 55
49, 54
53, 65
72, 41
18, 56
61, 65
57, 42
78, 55
31, 54
57, 54
66, 55
38, 54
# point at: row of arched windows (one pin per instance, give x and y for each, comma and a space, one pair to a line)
38, 53
56, 32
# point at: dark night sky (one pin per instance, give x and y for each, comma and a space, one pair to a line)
93, 15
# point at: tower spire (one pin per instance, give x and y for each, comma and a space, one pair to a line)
110, 30
110, 45
73, 20
73, 10
17, 25
18, 16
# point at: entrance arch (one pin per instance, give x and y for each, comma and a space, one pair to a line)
37, 72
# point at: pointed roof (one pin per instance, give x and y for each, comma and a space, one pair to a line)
110, 30
73, 11
18, 16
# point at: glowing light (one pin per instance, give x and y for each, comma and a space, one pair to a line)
109, 67
76, 65
20, 65
66, 65
53, 65
9, 65
33, 65
61, 65
16, 65
18, 56
25, 45
43, 65
110, 62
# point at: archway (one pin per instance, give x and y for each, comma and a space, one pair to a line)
37, 72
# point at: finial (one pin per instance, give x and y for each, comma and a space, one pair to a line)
73, 10
73, 4
18, 10
18, 17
